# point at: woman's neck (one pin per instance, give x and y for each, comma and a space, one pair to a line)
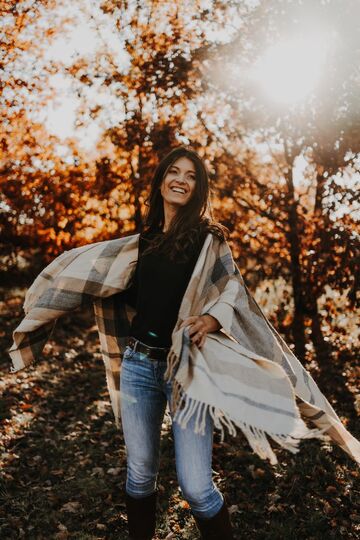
170, 212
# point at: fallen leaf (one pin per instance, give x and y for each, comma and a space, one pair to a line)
72, 506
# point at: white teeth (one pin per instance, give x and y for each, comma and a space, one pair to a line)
178, 190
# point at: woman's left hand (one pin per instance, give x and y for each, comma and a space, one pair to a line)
200, 325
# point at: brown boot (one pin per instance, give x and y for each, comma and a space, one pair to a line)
141, 515
217, 527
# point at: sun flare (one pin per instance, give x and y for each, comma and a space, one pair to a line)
289, 70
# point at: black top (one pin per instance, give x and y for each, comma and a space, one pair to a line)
156, 292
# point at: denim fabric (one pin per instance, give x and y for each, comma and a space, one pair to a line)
144, 395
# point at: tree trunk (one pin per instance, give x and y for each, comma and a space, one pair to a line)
298, 325
322, 347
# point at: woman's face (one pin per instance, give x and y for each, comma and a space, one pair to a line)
178, 185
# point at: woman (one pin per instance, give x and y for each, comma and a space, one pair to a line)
173, 235
242, 373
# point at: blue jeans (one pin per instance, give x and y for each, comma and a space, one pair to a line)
144, 395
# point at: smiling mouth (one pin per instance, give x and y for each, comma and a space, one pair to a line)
182, 192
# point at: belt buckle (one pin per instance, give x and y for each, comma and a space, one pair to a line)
147, 349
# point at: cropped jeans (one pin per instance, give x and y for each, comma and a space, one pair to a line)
144, 395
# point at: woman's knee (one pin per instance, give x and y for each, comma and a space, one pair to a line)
141, 477
196, 492
205, 502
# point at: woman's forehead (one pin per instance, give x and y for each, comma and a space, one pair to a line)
184, 162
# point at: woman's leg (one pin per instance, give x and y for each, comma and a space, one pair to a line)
193, 455
143, 406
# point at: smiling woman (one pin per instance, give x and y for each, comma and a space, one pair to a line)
177, 187
173, 236
179, 205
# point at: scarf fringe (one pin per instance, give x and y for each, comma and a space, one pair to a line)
185, 407
172, 363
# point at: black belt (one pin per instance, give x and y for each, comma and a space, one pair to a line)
156, 353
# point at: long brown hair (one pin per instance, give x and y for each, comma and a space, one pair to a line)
191, 220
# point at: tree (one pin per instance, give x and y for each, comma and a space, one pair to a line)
316, 247
166, 45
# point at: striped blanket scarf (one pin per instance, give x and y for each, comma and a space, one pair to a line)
245, 375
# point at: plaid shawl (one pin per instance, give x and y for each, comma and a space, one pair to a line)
245, 375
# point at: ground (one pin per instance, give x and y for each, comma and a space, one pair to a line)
64, 463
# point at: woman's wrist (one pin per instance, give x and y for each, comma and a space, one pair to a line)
212, 323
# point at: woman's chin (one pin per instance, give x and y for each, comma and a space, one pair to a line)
176, 201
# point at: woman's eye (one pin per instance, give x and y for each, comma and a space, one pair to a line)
191, 176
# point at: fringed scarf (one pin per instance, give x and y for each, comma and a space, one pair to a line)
244, 375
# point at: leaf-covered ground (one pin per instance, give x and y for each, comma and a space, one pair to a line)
63, 461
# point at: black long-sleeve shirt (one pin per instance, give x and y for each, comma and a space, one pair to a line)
156, 292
